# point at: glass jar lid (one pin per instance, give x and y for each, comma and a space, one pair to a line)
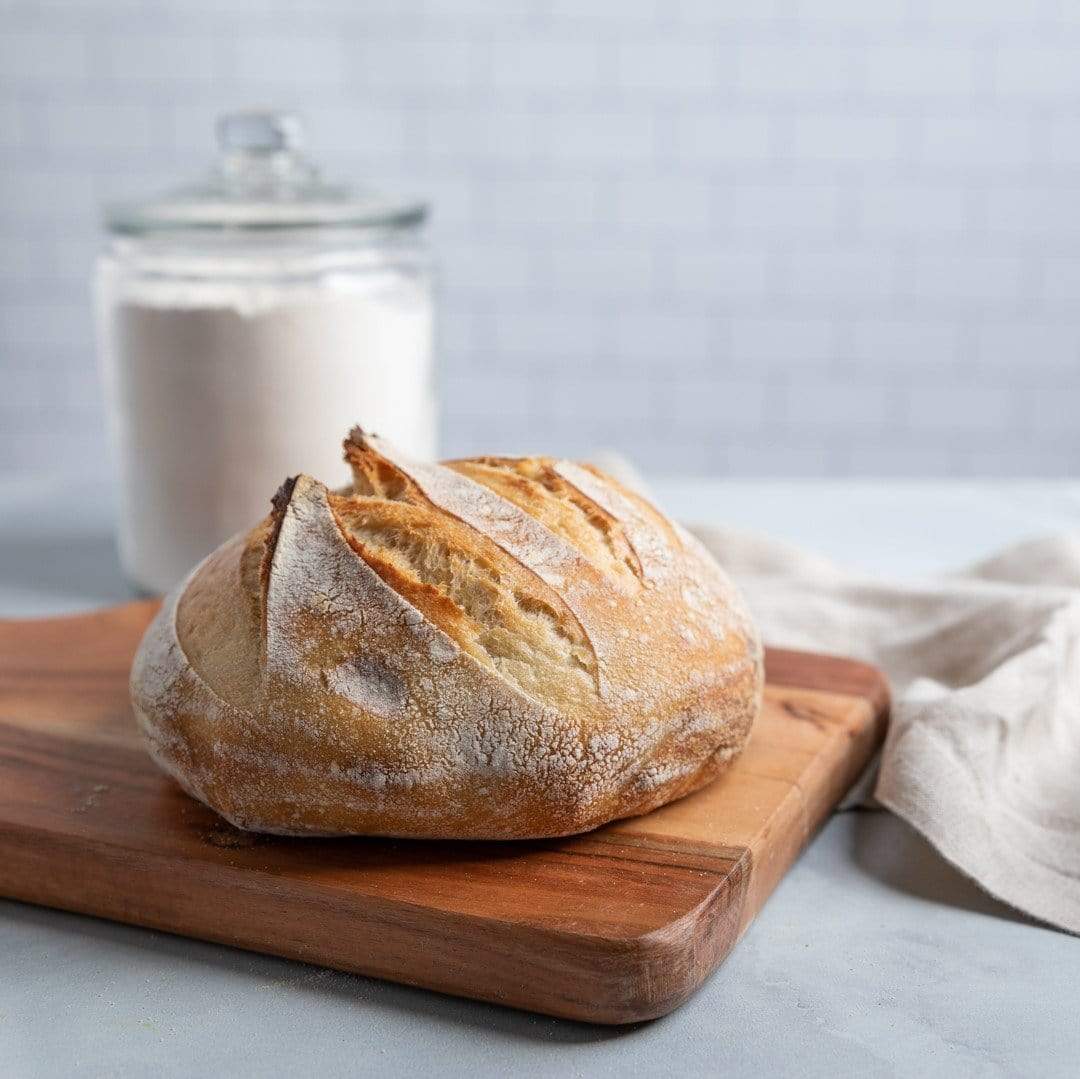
263, 181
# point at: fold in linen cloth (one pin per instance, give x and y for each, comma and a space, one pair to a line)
983, 750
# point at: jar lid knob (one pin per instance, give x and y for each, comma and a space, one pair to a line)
261, 154
260, 131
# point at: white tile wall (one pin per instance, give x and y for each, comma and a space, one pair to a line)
797, 236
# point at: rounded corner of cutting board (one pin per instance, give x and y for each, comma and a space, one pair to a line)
834, 674
645, 975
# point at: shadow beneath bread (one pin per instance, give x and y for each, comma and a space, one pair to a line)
887, 848
250, 981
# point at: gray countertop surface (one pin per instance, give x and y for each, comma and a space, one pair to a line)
874, 957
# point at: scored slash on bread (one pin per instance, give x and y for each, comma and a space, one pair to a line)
485, 648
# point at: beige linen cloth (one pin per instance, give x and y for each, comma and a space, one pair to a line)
983, 750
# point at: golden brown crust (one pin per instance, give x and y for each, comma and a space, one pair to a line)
491, 648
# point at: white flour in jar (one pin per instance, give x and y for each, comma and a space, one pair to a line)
221, 390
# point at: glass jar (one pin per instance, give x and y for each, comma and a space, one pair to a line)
245, 324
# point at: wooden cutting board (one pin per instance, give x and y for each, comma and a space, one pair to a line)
615, 926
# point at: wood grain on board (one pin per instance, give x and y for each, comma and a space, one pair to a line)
618, 925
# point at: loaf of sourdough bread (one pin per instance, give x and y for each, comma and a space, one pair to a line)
486, 648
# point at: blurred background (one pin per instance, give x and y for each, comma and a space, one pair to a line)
799, 237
